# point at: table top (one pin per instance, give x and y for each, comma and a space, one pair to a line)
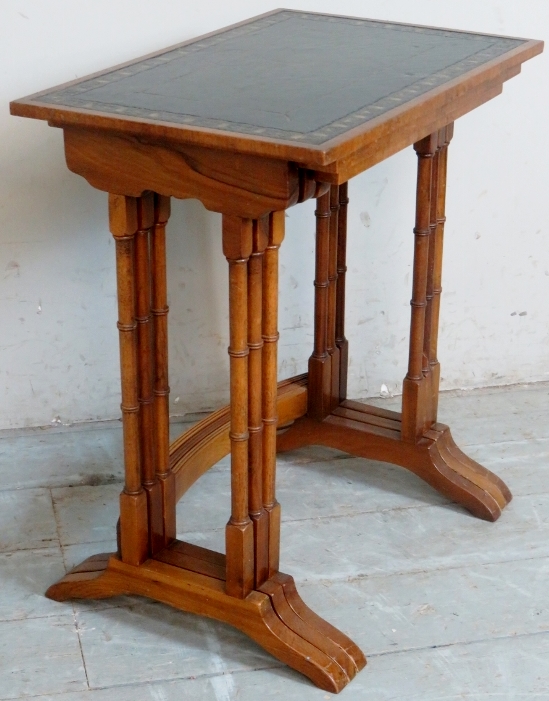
287, 77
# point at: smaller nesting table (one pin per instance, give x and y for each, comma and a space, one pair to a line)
251, 120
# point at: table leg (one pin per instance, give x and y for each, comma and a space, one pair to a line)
306, 633
258, 514
415, 389
440, 219
243, 588
320, 364
412, 439
332, 347
237, 247
269, 389
426, 369
142, 297
329, 361
341, 341
161, 390
134, 527
144, 319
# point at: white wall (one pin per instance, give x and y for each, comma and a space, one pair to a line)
58, 349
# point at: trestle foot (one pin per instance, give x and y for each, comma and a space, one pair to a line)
370, 432
192, 579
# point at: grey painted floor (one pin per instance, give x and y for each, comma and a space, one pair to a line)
445, 606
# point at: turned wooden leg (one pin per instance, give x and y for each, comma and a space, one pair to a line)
415, 390
145, 215
237, 247
426, 370
161, 390
320, 368
445, 136
269, 386
258, 514
134, 527
331, 343
312, 638
243, 588
341, 341
412, 439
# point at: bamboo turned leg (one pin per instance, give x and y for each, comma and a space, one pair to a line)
307, 633
412, 439
258, 514
161, 391
341, 341
243, 588
426, 368
437, 243
134, 530
415, 394
145, 214
269, 386
331, 345
237, 247
320, 368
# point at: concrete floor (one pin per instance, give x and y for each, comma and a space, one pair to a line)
445, 606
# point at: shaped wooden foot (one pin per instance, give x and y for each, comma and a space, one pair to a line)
91, 579
452, 472
315, 622
370, 432
192, 579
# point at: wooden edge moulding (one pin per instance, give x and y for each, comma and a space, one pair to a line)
244, 586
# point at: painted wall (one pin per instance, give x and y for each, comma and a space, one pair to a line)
58, 348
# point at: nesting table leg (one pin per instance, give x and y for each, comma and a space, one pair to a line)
415, 389
328, 363
237, 247
412, 439
331, 324
320, 367
145, 348
243, 587
253, 532
161, 388
141, 275
269, 386
134, 527
258, 514
437, 243
341, 341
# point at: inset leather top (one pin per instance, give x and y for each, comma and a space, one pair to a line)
292, 76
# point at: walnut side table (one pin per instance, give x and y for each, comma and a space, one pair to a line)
251, 120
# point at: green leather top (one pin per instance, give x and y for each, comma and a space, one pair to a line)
290, 75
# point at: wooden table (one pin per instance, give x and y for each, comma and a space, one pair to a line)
251, 120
